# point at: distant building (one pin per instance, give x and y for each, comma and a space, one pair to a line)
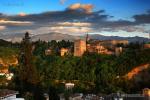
61, 96
111, 44
97, 48
7, 75
115, 42
118, 51
6, 94
64, 51
147, 46
101, 47
77, 96
69, 85
48, 51
79, 47
92, 97
120, 96
146, 92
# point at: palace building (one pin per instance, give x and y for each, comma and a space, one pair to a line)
97, 46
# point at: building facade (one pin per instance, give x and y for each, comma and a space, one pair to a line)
101, 47
147, 46
79, 47
64, 51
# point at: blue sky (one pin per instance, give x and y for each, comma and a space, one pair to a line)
130, 17
121, 9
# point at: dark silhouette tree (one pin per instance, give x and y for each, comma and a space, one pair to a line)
28, 72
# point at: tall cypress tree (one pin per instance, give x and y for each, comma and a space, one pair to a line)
28, 72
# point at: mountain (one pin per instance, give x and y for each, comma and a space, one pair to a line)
12, 37
54, 36
58, 36
130, 39
44, 37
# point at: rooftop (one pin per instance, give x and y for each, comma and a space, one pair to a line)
6, 93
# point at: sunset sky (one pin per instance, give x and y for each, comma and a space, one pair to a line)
76, 17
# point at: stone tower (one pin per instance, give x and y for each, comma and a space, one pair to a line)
87, 38
79, 47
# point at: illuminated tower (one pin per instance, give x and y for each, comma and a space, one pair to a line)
79, 47
87, 38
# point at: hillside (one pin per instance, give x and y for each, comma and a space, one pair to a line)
136, 71
8, 56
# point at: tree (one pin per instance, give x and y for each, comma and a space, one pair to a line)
27, 70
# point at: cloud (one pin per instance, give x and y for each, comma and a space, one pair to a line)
7, 22
78, 30
22, 14
60, 29
142, 18
75, 19
2, 27
85, 7
62, 1
77, 24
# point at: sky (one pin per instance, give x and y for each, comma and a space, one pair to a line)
76, 17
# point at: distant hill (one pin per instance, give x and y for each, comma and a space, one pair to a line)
130, 39
54, 36
12, 37
59, 36
44, 37
4, 43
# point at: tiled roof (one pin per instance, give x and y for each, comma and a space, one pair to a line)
6, 93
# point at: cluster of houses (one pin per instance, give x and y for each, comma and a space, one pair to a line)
6, 94
11, 95
114, 96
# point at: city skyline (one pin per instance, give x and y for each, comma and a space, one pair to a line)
76, 17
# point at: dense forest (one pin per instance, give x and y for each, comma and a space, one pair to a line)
38, 73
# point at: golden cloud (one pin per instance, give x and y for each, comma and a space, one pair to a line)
7, 22
22, 14
63, 29
87, 7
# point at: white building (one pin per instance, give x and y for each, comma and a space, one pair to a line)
69, 85
6, 94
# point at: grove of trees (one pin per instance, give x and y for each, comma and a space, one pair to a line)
38, 73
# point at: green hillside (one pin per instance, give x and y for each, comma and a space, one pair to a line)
8, 56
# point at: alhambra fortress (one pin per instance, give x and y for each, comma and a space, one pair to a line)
108, 47
95, 46
101, 47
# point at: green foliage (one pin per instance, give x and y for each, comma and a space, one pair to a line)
91, 73
3, 81
6, 53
